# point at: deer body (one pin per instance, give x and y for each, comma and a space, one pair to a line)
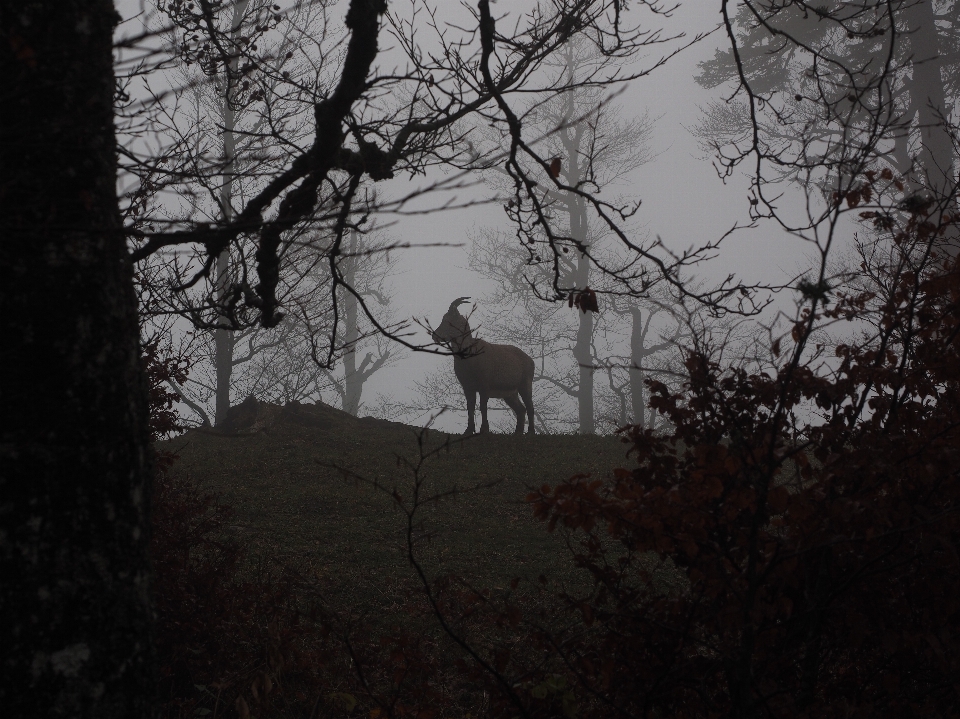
488, 370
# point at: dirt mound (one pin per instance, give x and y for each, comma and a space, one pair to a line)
252, 416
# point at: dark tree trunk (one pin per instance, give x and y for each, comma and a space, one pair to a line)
637, 400
352, 381
583, 348
223, 344
74, 467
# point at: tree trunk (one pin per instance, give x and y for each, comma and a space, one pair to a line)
583, 353
352, 380
223, 342
936, 157
571, 138
74, 467
223, 339
636, 373
583, 349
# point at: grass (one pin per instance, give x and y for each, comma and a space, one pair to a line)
282, 471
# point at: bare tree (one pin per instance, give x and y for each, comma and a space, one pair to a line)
654, 351
366, 268
280, 364
228, 57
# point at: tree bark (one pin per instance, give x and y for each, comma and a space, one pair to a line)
223, 344
74, 452
352, 381
223, 338
936, 156
583, 349
579, 224
583, 353
637, 399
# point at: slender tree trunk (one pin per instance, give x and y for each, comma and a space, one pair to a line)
583, 349
636, 373
352, 380
223, 342
223, 339
74, 467
571, 138
582, 352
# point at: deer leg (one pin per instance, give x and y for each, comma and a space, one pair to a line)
517, 406
471, 407
526, 395
484, 425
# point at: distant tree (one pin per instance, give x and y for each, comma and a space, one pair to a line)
654, 353
365, 267
661, 330
281, 364
229, 60
259, 367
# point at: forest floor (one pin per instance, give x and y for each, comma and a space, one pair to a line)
314, 486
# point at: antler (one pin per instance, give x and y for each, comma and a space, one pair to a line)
456, 303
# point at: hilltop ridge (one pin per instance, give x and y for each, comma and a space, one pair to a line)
313, 483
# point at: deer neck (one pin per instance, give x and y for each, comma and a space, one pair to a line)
467, 344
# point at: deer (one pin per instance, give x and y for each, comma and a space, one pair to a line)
490, 370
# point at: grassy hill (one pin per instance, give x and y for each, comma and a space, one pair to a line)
314, 484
